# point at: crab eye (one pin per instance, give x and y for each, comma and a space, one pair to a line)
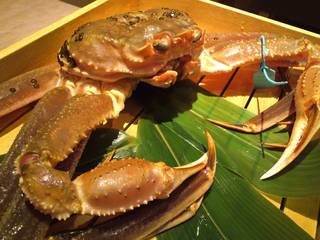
161, 47
162, 44
197, 34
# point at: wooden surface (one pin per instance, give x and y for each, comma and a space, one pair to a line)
20, 18
42, 46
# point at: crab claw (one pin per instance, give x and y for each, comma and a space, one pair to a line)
111, 188
307, 118
149, 220
119, 186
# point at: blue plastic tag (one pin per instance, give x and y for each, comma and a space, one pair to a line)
259, 79
265, 77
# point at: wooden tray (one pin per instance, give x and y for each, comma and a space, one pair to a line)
41, 48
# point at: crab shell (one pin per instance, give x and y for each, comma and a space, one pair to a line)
135, 44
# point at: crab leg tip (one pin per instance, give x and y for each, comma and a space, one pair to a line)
274, 170
302, 133
282, 163
211, 151
275, 145
238, 127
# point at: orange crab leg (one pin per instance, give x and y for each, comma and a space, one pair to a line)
226, 51
53, 142
12, 200
28, 87
271, 116
307, 122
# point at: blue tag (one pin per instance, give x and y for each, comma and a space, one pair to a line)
265, 77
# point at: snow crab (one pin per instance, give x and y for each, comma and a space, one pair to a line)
99, 67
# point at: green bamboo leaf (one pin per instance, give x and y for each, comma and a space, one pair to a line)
184, 109
232, 209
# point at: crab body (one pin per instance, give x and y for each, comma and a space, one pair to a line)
100, 66
133, 45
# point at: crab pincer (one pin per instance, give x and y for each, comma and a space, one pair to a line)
159, 215
110, 188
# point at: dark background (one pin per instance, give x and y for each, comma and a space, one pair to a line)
304, 14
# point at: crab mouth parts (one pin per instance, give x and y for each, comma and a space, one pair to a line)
64, 57
176, 64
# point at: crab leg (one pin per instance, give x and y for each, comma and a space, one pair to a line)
28, 87
16, 213
51, 145
307, 118
271, 116
158, 216
226, 51
182, 217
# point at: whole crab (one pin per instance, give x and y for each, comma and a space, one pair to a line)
100, 65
